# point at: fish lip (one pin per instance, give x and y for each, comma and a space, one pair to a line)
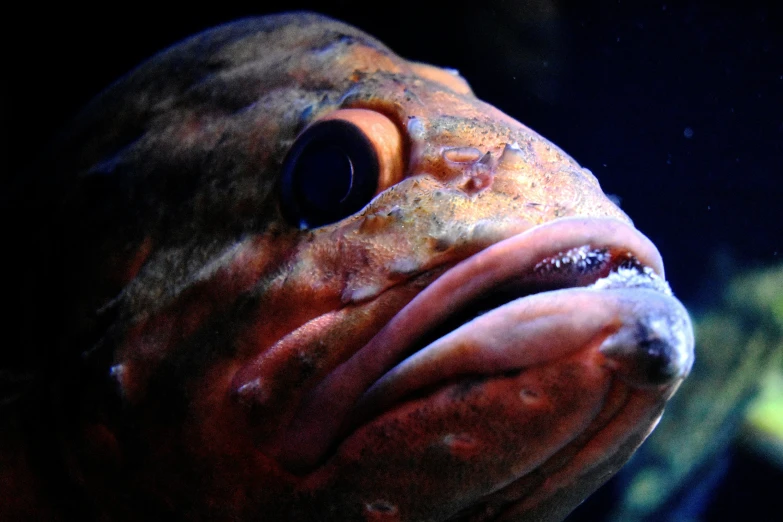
329, 411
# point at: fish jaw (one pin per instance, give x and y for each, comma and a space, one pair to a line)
522, 405
505, 436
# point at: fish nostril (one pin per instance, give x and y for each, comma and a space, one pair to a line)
461, 155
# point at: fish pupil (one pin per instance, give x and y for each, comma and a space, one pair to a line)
324, 176
330, 173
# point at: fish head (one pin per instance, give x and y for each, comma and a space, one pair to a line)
316, 281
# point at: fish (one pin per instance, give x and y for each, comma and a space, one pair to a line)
294, 276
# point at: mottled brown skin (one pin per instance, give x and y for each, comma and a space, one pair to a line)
182, 275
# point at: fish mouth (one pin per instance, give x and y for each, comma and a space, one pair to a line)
571, 286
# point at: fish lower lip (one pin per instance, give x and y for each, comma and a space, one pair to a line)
388, 368
640, 333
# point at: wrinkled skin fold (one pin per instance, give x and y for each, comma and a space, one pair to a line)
487, 338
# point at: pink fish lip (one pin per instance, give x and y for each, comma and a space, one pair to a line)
534, 283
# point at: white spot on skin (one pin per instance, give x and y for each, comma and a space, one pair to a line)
362, 293
529, 397
250, 387
118, 372
461, 445
381, 507
395, 212
416, 128
457, 438
253, 392
404, 266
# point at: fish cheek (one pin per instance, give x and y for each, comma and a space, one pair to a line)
198, 448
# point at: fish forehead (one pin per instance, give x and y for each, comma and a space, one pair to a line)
256, 84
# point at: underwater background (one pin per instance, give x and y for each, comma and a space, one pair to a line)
677, 107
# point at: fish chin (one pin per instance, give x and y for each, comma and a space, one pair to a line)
534, 367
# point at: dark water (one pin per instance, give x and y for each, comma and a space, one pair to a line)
676, 107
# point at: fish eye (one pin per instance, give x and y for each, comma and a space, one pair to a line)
338, 164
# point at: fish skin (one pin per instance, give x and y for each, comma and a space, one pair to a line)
200, 320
